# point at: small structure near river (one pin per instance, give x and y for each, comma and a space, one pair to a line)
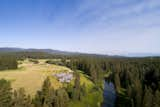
64, 77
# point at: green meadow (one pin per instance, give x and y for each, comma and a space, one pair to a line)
31, 76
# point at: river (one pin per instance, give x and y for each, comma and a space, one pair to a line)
109, 95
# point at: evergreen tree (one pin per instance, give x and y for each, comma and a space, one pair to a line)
116, 71
20, 99
138, 92
38, 99
117, 81
148, 98
93, 73
129, 91
62, 98
76, 90
5, 93
156, 99
83, 90
45, 97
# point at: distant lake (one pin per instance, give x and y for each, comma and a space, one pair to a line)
109, 95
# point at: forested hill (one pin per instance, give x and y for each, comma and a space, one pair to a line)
59, 52
49, 51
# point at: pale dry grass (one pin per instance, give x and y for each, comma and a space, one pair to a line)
31, 76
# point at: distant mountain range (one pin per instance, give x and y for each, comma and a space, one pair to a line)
51, 51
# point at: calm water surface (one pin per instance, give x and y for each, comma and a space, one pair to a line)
109, 95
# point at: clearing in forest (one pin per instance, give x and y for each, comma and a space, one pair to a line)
31, 76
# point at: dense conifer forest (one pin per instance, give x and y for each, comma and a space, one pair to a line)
7, 62
137, 80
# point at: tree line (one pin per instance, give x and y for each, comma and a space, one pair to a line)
8, 62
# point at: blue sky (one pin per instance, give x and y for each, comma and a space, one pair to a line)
93, 26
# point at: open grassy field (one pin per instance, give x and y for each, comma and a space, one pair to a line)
31, 76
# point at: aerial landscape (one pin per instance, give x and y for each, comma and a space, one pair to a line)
79, 53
